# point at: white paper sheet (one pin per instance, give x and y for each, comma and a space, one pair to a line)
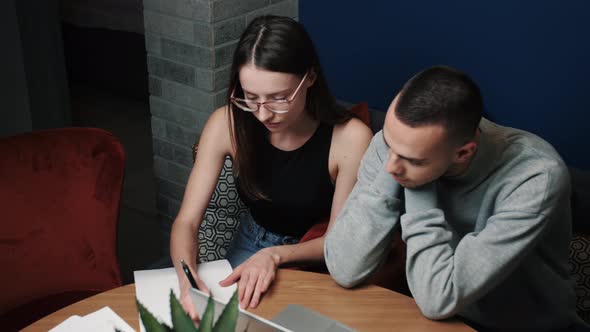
106, 320
103, 320
212, 273
73, 323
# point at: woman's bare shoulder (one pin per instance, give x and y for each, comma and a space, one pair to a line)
353, 131
219, 117
217, 130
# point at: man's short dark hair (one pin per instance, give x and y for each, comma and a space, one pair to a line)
445, 96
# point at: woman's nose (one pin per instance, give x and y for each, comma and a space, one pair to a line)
264, 114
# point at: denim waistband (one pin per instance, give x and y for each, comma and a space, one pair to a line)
262, 234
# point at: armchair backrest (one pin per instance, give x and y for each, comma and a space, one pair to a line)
60, 197
222, 215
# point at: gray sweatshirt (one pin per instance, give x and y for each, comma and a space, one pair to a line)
490, 245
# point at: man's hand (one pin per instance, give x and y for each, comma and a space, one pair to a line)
255, 276
422, 198
185, 299
385, 184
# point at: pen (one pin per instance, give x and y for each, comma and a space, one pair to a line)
188, 273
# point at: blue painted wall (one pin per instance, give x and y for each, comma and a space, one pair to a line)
530, 58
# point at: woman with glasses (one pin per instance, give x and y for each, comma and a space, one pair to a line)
295, 156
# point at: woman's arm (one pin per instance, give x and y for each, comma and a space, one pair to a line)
214, 145
350, 140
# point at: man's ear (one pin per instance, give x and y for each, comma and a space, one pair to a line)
465, 152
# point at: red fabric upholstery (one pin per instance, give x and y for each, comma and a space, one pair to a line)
362, 111
60, 197
316, 231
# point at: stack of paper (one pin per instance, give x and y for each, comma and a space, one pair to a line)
103, 320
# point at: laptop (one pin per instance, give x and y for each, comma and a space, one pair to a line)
294, 318
247, 321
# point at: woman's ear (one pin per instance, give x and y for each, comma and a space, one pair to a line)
311, 77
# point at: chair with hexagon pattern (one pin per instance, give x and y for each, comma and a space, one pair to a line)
222, 215
579, 256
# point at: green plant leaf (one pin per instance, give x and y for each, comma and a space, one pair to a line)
229, 317
180, 319
206, 324
150, 322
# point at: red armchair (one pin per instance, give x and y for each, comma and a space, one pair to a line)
59, 195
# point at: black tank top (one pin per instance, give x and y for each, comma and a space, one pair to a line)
298, 184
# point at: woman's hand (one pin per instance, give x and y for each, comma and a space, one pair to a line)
185, 298
255, 276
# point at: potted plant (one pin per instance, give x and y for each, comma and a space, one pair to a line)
181, 322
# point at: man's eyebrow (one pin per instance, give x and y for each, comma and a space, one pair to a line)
415, 160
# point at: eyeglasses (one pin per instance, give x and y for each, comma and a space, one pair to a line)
276, 106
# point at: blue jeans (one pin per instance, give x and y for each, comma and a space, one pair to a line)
251, 237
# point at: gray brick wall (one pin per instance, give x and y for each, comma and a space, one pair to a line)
190, 44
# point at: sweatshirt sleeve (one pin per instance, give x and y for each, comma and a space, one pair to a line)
360, 238
444, 279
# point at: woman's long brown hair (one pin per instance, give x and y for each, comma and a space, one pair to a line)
278, 44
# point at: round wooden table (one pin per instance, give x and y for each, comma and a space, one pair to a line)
367, 308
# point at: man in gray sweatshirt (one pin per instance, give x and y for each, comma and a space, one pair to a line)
484, 211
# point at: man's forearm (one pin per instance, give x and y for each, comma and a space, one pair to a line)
361, 236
